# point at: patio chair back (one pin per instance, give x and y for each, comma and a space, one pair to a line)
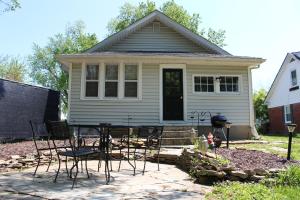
60, 130
39, 130
153, 131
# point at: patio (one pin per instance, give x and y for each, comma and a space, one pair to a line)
123, 185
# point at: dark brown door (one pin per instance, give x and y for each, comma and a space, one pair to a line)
172, 94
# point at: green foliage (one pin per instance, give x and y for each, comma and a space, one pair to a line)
261, 109
290, 177
45, 69
9, 5
130, 13
12, 68
287, 186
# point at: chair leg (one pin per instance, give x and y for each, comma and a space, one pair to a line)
66, 164
81, 166
50, 161
57, 169
75, 177
99, 164
86, 168
38, 164
158, 160
120, 160
134, 158
145, 159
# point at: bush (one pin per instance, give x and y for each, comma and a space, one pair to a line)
290, 177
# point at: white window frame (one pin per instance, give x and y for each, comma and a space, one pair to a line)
292, 79
203, 75
285, 107
233, 92
112, 81
84, 81
217, 85
132, 81
102, 81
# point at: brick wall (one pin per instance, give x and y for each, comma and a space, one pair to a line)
276, 120
277, 124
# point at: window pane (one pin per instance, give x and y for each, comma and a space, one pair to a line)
91, 89
210, 88
229, 88
196, 79
294, 77
235, 80
92, 72
204, 88
235, 88
131, 89
204, 80
210, 80
111, 72
222, 88
197, 88
111, 89
228, 79
130, 72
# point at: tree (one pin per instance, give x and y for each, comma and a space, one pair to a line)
130, 13
12, 68
9, 5
261, 109
46, 70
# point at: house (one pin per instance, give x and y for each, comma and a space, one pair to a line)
20, 103
283, 98
157, 72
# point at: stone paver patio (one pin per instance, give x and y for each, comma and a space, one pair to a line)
168, 183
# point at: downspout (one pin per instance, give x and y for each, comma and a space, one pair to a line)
253, 130
69, 90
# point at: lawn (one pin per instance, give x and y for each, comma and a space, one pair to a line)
277, 145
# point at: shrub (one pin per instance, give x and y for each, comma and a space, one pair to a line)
290, 177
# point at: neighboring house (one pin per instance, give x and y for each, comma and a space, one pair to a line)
20, 103
158, 72
283, 98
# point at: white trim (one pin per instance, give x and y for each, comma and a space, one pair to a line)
140, 81
82, 91
121, 80
251, 107
172, 66
69, 91
217, 91
291, 81
102, 79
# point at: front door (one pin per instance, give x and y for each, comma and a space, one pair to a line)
172, 94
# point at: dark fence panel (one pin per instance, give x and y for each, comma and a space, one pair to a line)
20, 103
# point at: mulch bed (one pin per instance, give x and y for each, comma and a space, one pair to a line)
251, 159
19, 148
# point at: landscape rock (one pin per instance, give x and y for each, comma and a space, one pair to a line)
240, 174
256, 178
260, 172
249, 172
15, 157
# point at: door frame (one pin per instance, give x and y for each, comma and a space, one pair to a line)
172, 66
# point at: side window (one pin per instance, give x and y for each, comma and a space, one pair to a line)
229, 84
204, 84
131, 81
111, 80
287, 114
294, 78
92, 81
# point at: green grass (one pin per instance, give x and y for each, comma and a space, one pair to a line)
273, 143
286, 186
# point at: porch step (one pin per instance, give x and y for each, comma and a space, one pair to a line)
178, 136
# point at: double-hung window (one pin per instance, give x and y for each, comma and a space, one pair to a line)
92, 81
294, 78
229, 83
131, 81
287, 114
203, 84
111, 80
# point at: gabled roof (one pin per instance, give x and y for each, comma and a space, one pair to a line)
286, 61
158, 16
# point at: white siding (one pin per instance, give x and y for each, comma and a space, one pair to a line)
165, 40
234, 106
146, 111
281, 94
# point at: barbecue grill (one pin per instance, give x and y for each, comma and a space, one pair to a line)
218, 123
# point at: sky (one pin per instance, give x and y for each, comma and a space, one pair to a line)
268, 29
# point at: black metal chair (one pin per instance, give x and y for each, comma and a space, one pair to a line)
60, 130
153, 136
39, 135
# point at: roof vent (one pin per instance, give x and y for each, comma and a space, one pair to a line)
156, 26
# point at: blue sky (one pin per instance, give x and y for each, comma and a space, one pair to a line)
267, 29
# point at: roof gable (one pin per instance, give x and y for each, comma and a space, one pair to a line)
290, 57
191, 41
